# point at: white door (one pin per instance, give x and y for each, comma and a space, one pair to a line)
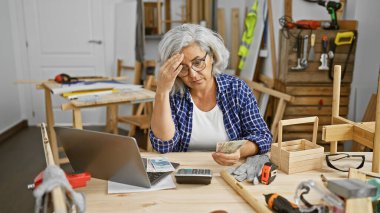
64, 36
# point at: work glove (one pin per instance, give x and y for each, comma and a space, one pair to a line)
251, 169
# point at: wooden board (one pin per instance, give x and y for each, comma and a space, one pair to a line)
235, 32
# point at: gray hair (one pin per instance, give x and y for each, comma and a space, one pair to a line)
179, 37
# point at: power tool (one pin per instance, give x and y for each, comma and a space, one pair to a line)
277, 203
331, 7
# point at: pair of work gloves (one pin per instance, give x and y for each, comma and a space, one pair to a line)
251, 169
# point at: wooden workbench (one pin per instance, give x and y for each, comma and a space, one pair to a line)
111, 101
199, 198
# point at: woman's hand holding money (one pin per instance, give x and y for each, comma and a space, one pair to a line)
226, 159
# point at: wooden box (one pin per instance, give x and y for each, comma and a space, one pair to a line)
297, 155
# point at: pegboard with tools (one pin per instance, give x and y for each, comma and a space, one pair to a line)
306, 72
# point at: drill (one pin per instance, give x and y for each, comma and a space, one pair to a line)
280, 204
332, 7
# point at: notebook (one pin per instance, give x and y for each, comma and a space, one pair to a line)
107, 156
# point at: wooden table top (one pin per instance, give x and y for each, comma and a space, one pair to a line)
115, 98
200, 198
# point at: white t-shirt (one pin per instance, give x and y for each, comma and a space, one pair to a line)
208, 129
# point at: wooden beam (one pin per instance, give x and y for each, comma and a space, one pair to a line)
341, 120
335, 103
221, 24
288, 8
159, 17
167, 15
272, 41
339, 132
376, 142
235, 38
256, 86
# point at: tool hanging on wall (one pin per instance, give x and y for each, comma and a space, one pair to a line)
299, 47
311, 51
332, 7
341, 38
304, 54
324, 56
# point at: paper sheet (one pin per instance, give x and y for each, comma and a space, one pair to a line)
117, 188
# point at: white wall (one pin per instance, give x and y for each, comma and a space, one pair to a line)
10, 109
367, 60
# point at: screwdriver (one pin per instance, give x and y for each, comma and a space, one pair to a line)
278, 203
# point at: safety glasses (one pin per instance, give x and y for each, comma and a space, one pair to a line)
343, 161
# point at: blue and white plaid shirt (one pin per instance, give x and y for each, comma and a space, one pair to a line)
241, 117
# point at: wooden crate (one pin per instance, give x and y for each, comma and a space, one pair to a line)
297, 155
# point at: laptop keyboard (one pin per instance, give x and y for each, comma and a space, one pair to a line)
155, 177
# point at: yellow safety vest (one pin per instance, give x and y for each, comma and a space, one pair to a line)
246, 40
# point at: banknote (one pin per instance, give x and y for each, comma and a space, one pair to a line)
161, 164
229, 146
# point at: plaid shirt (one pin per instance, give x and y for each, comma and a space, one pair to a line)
241, 116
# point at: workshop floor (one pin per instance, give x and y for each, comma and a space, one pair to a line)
21, 159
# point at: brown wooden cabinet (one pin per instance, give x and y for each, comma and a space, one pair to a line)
312, 88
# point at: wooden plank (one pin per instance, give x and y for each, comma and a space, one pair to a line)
305, 157
58, 196
208, 12
159, 17
235, 32
376, 142
312, 165
370, 112
312, 110
339, 58
194, 12
272, 41
355, 205
318, 90
221, 23
244, 193
327, 101
293, 77
50, 123
77, 119
288, 8
323, 120
339, 132
340, 120
272, 92
277, 117
167, 15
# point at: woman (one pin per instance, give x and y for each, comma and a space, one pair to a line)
196, 106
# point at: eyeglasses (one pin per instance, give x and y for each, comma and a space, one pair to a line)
335, 161
197, 65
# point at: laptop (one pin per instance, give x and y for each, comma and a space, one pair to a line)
107, 156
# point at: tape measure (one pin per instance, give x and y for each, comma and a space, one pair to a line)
268, 173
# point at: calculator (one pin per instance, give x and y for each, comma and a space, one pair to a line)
193, 176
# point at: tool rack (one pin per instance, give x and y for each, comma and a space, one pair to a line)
312, 88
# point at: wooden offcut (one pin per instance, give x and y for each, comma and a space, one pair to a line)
297, 155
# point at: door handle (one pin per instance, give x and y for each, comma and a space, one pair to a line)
95, 41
